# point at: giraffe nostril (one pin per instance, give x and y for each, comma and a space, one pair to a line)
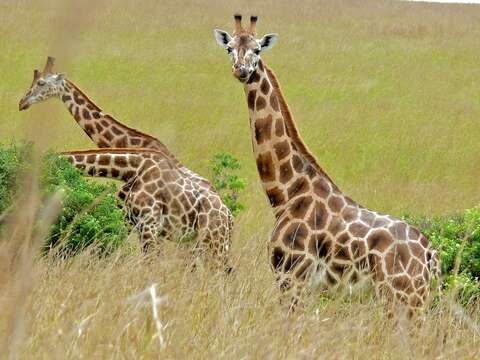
23, 105
243, 73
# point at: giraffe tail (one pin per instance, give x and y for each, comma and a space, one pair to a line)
434, 263
120, 164
435, 268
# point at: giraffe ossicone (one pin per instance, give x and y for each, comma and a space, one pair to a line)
320, 236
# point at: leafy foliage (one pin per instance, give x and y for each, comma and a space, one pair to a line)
448, 235
228, 184
13, 159
90, 213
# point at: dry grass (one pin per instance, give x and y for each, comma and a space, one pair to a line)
385, 93
90, 308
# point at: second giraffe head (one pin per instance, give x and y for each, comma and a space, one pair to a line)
243, 47
45, 85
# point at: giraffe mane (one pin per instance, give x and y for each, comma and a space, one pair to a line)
292, 127
164, 150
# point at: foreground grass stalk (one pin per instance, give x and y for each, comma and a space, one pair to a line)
20, 241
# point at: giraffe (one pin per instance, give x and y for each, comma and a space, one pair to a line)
321, 236
107, 132
162, 202
103, 129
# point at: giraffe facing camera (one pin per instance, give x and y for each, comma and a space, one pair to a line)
321, 236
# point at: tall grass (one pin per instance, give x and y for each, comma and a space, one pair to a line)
385, 94
103, 308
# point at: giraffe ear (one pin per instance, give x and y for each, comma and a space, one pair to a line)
222, 37
268, 41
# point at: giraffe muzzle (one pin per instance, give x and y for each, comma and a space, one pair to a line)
242, 77
23, 105
241, 73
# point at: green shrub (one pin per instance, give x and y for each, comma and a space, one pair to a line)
90, 212
90, 209
447, 235
13, 160
228, 184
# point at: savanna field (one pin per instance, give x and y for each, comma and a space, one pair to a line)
385, 94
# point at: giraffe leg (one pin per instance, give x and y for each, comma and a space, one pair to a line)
293, 273
213, 249
214, 242
148, 229
292, 292
124, 193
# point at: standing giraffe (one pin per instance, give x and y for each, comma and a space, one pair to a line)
162, 202
320, 236
107, 132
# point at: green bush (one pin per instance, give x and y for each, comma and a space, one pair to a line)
90, 212
90, 209
13, 160
447, 235
228, 184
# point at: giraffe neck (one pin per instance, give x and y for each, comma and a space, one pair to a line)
102, 128
285, 165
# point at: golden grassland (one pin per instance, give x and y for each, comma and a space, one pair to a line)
385, 94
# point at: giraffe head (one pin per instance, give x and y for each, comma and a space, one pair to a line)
45, 85
243, 47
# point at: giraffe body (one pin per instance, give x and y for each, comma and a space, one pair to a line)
321, 236
160, 200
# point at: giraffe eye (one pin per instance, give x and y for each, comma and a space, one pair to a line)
256, 51
41, 82
229, 50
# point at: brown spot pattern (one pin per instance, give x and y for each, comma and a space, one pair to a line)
295, 236
265, 86
274, 102
86, 114
260, 103
321, 188
251, 99
286, 172
300, 206
282, 149
279, 127
263, 129
318, 217
265, 167
275, 196
300, 186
